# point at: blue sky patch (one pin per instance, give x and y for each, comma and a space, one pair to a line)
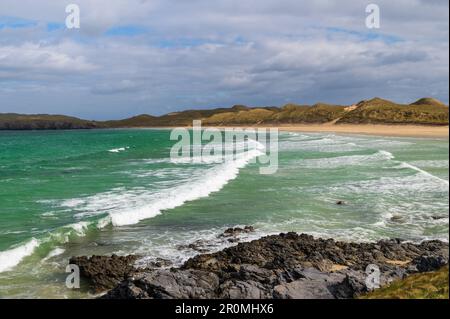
371, 35
53, 26
15, 23
126, 31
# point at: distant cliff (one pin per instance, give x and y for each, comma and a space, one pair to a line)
12, 121
426, 111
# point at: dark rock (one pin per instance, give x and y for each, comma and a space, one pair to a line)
230, 232
427, 263
198, 245
154, 264
281, 266
397, 219
167, 284
303, 289
340, 202
238, 289
353, 284
105, 272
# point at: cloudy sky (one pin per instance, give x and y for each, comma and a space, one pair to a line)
156, 56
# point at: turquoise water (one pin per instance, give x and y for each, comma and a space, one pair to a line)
66, 193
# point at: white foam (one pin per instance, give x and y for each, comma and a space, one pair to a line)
425, 173
55, 252
232, 150
48, 214
349, 160
211, 181
431, 163
80, 228
325, 144
117, 150
11, 258
72, 203
102, 223
386, 154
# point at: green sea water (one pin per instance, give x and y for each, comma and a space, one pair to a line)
66, 193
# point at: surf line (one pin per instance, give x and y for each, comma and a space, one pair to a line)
243, 141
425, 173
415, 168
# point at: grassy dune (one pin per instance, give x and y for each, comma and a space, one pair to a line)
426, 111
431, 285
379, 111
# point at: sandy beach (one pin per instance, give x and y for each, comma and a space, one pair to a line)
423, 131
384, 130
370, 129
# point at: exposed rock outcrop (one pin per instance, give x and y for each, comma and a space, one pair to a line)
105, 272
278, 266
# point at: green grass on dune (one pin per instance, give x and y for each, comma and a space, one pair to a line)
426, 111
431, 285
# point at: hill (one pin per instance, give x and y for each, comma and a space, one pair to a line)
378, 111
425, 111
428, 101
12, 121
317, 113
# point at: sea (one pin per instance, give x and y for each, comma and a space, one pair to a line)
103, 192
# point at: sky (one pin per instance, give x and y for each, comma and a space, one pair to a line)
158, 56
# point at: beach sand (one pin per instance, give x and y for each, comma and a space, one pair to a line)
370, 129
384, 130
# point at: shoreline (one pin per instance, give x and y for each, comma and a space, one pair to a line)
376, 129
283, 266
388, 130
418, 131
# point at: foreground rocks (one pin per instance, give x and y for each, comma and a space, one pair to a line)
279, 266
105, 272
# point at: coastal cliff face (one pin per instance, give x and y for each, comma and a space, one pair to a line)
279, 266
426, 111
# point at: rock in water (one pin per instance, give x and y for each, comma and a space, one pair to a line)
278, 266
230, 232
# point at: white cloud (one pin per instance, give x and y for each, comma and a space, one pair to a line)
34, 57
215, 53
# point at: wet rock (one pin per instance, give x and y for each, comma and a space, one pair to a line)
105, 272
438, 217
198, 245
283, 266
340, 202
232, 232
397, 219
153, 264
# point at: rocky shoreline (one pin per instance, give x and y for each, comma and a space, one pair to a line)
286, 266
